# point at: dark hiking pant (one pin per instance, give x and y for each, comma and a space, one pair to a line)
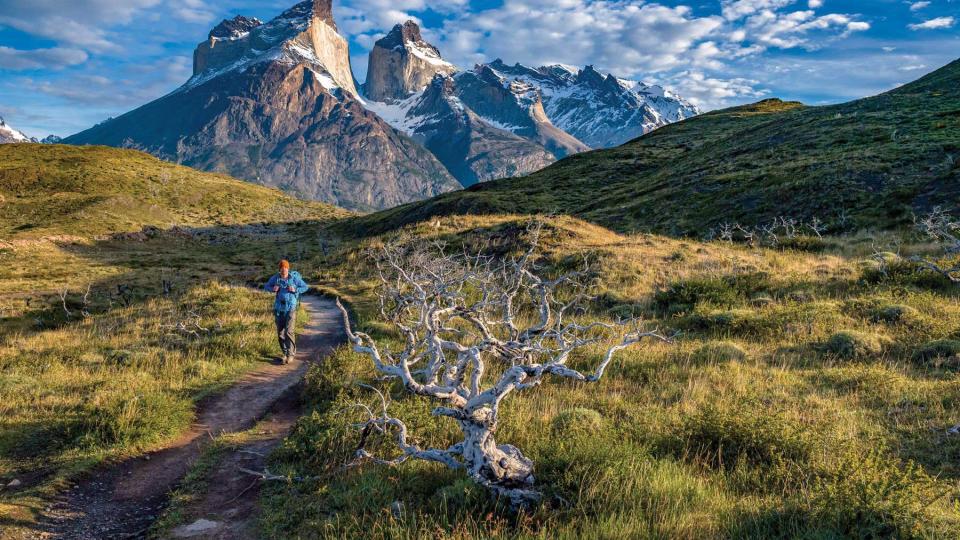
286, 323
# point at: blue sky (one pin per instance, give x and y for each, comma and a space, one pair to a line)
65, 65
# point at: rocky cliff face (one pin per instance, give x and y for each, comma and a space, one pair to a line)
276, 104
516, 106
479, 126
402, 64
471, 148
599, 109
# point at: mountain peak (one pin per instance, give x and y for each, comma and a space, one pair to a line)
589, 75
8, 134
304, 35
401, 34
310, 9
402, 63
234, 28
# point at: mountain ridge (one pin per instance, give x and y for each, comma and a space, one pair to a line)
869, 163
277, 105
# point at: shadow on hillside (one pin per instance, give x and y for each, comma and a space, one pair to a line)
159, 263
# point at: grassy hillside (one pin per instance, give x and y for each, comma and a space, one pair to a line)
807, 396
57, 189
107, 340
864, 164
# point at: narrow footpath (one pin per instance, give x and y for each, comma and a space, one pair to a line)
123, 500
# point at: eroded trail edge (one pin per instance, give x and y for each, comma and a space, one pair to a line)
123, 500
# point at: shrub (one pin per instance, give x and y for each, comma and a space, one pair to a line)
810, 244
725, 291
579, 420
718, 352
850, 344
937, 350
723, 438
875, 496
893, 270
860, 495
894, 313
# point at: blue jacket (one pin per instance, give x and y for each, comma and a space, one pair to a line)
286, 301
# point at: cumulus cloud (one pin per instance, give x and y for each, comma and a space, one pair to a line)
934, 24
627, 38
917, 6
53, 58
711, 92
737, 9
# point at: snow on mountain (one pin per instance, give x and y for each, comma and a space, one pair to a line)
599, 109
304, 34
276, 103
10, 135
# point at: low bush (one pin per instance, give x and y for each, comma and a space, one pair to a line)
743, 436
937, 350
874, 495
579, 421
855, 345
726, 291
717, 352
895, 314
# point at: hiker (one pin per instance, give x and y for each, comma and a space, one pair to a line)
288, 286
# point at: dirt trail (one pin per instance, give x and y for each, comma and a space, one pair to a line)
124, 500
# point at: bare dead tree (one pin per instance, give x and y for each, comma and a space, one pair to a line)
726, 232
466, 344
749, 235
63, 301
817, 227
940, 227
789, 226
770, 232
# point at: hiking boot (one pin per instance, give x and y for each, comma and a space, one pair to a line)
287, 359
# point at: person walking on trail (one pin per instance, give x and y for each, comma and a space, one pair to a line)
288, 286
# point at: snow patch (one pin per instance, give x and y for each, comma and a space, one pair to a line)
427, 54
9, 133
397, 114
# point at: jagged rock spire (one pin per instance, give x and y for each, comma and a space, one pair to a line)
232, 28
402, 63
323, 9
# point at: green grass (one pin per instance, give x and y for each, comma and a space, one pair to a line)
870, 163
82, 191
750, 426
105, 372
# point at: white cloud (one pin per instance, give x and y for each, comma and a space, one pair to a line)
623, 37
53, 58
933, 24
815, 4
712, 93
917, 6
790, 30
80, 23
737, 9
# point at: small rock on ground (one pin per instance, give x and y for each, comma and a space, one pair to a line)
198, 527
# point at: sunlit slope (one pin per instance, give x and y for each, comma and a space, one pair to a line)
867, 163
56, 189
